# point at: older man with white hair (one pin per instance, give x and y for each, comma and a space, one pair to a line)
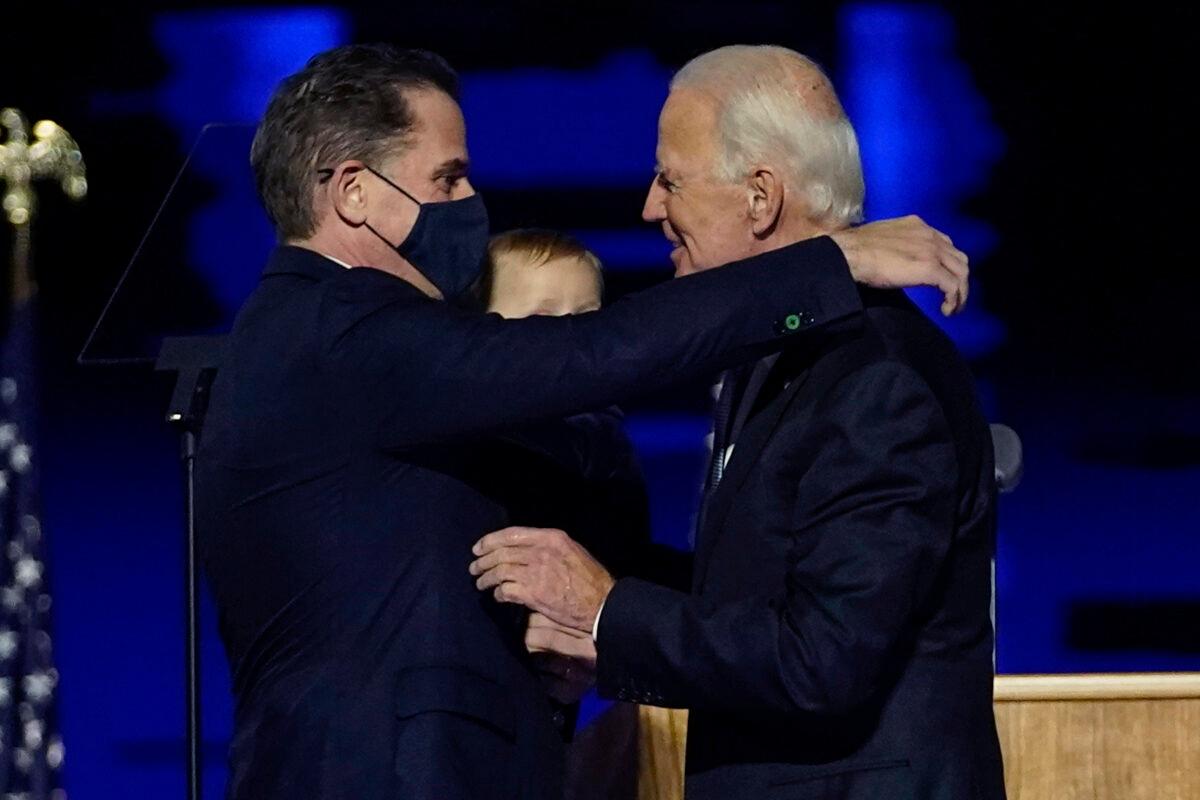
836, 642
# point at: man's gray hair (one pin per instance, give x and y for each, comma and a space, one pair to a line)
765, 116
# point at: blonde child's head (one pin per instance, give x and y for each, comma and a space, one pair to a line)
533, 271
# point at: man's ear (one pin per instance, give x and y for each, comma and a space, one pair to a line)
347, 192
766, 200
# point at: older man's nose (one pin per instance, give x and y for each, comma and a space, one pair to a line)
654, 210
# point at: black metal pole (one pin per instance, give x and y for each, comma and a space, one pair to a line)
195, 360
192, 606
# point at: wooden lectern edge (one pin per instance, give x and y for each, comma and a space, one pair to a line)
1098, 686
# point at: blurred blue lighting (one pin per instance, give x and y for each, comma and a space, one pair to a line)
557, 127
658, 433
226, 62
927, 141
224, 65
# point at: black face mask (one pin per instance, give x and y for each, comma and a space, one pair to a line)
447, 243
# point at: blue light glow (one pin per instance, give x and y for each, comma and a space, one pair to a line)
927, 141
553, 127
224, 66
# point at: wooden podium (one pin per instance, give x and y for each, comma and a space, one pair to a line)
1064, 737
1100, 737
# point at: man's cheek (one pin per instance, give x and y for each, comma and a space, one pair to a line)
690, 258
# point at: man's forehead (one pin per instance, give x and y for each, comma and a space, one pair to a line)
436, 116
687, 125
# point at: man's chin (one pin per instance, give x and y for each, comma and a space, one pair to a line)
683, 264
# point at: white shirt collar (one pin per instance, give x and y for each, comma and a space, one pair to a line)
337, 261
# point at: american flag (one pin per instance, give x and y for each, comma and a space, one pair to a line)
31, 750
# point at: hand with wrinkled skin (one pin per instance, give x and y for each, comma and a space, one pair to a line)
565, 658
904, 252
544, 570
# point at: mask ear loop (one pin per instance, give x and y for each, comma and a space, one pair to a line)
386, 180
326, 174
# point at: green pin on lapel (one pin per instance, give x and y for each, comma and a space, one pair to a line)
792, 322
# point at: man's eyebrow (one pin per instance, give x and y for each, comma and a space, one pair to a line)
664, 178
455, 166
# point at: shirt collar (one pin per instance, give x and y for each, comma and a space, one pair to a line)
337, 260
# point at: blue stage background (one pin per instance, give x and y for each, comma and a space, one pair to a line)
1096, 549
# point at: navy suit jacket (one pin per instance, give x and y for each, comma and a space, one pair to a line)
580, 474
836, 643
339, 496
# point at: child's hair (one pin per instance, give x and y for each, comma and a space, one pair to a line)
532, 247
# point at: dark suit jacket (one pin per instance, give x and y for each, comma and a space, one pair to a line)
837, 641
580, 474
337, 505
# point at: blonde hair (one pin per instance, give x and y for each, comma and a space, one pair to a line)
532, 247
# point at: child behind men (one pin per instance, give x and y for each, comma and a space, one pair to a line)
580, 473
533, 271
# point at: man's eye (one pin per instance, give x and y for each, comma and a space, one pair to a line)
666, 184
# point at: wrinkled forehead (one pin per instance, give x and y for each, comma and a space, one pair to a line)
687, 129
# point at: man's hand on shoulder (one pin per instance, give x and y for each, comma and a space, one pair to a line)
904, 252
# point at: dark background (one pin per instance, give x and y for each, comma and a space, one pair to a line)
1049, 143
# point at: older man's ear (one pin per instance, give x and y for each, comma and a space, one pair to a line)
766, 201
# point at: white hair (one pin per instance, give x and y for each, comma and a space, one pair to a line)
763, 116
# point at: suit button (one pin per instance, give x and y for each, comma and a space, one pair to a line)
559, 719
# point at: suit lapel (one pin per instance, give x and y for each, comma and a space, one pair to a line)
756, 382
749, 446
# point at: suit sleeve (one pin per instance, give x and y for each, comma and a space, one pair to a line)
664, 565
420, 372
872, 523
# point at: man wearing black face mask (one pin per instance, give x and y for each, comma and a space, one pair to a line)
448, 240
339, 492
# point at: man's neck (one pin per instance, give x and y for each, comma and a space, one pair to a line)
781, 239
